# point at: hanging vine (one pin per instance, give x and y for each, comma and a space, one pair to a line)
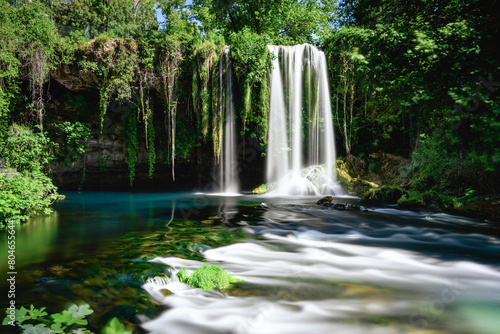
205, 57
36, 43
169, 61
38, 71
195, 89
132, 145
264, 97
114, 62
151, 140
103, 101
247, 99
217, 107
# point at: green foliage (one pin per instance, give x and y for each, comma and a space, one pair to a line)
25, 195
191, 138
252, 62
25, 150
151, 146
71, 320
28, 42
286, 22
118, 17
385, 194
114, 64
412, 200
76, 106
114, 326
132, 144
205, 59
183, 275
10, 66
263, 105
250, 55
207, 277
437, 165
177, 17
5, 110
72, 139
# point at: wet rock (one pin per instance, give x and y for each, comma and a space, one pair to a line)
166, 292
342, 206
327, 200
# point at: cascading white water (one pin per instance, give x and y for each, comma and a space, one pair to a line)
228, 162
299, 92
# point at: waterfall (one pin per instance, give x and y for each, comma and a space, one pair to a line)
228, 171
301, 147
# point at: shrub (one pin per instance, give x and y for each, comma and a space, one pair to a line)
24, 195
386, 194
412, 200
26, 150
73, 138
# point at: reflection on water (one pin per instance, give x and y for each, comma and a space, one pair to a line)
33, 241
307, 268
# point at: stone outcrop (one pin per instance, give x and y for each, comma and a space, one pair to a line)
359, 175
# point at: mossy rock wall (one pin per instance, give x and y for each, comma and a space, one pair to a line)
360, 175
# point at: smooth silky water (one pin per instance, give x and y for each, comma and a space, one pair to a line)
307, 268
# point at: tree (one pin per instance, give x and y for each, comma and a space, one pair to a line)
285, 22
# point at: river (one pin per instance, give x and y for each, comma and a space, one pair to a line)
306, 268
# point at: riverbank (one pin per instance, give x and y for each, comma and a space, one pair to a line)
383, 178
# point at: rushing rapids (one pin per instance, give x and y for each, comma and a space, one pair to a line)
325, 271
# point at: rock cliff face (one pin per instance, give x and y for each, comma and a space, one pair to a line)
73, 97
105, 166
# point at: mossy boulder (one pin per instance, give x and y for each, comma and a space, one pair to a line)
351, 174
360, 175
325, 200
262, 189
208, 277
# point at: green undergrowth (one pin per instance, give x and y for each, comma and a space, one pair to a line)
385, 194
25, 195
469, 204
207, 278
71, 320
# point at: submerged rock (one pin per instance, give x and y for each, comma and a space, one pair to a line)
328, 202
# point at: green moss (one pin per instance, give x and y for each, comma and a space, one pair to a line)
412, 200
132, 145
247, 101
151, 144
205, 56
263, 121
207, 278
262, 189
103, 102
385, 194
183, 275
216, 109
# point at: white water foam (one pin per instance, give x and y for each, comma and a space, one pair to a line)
311, 265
